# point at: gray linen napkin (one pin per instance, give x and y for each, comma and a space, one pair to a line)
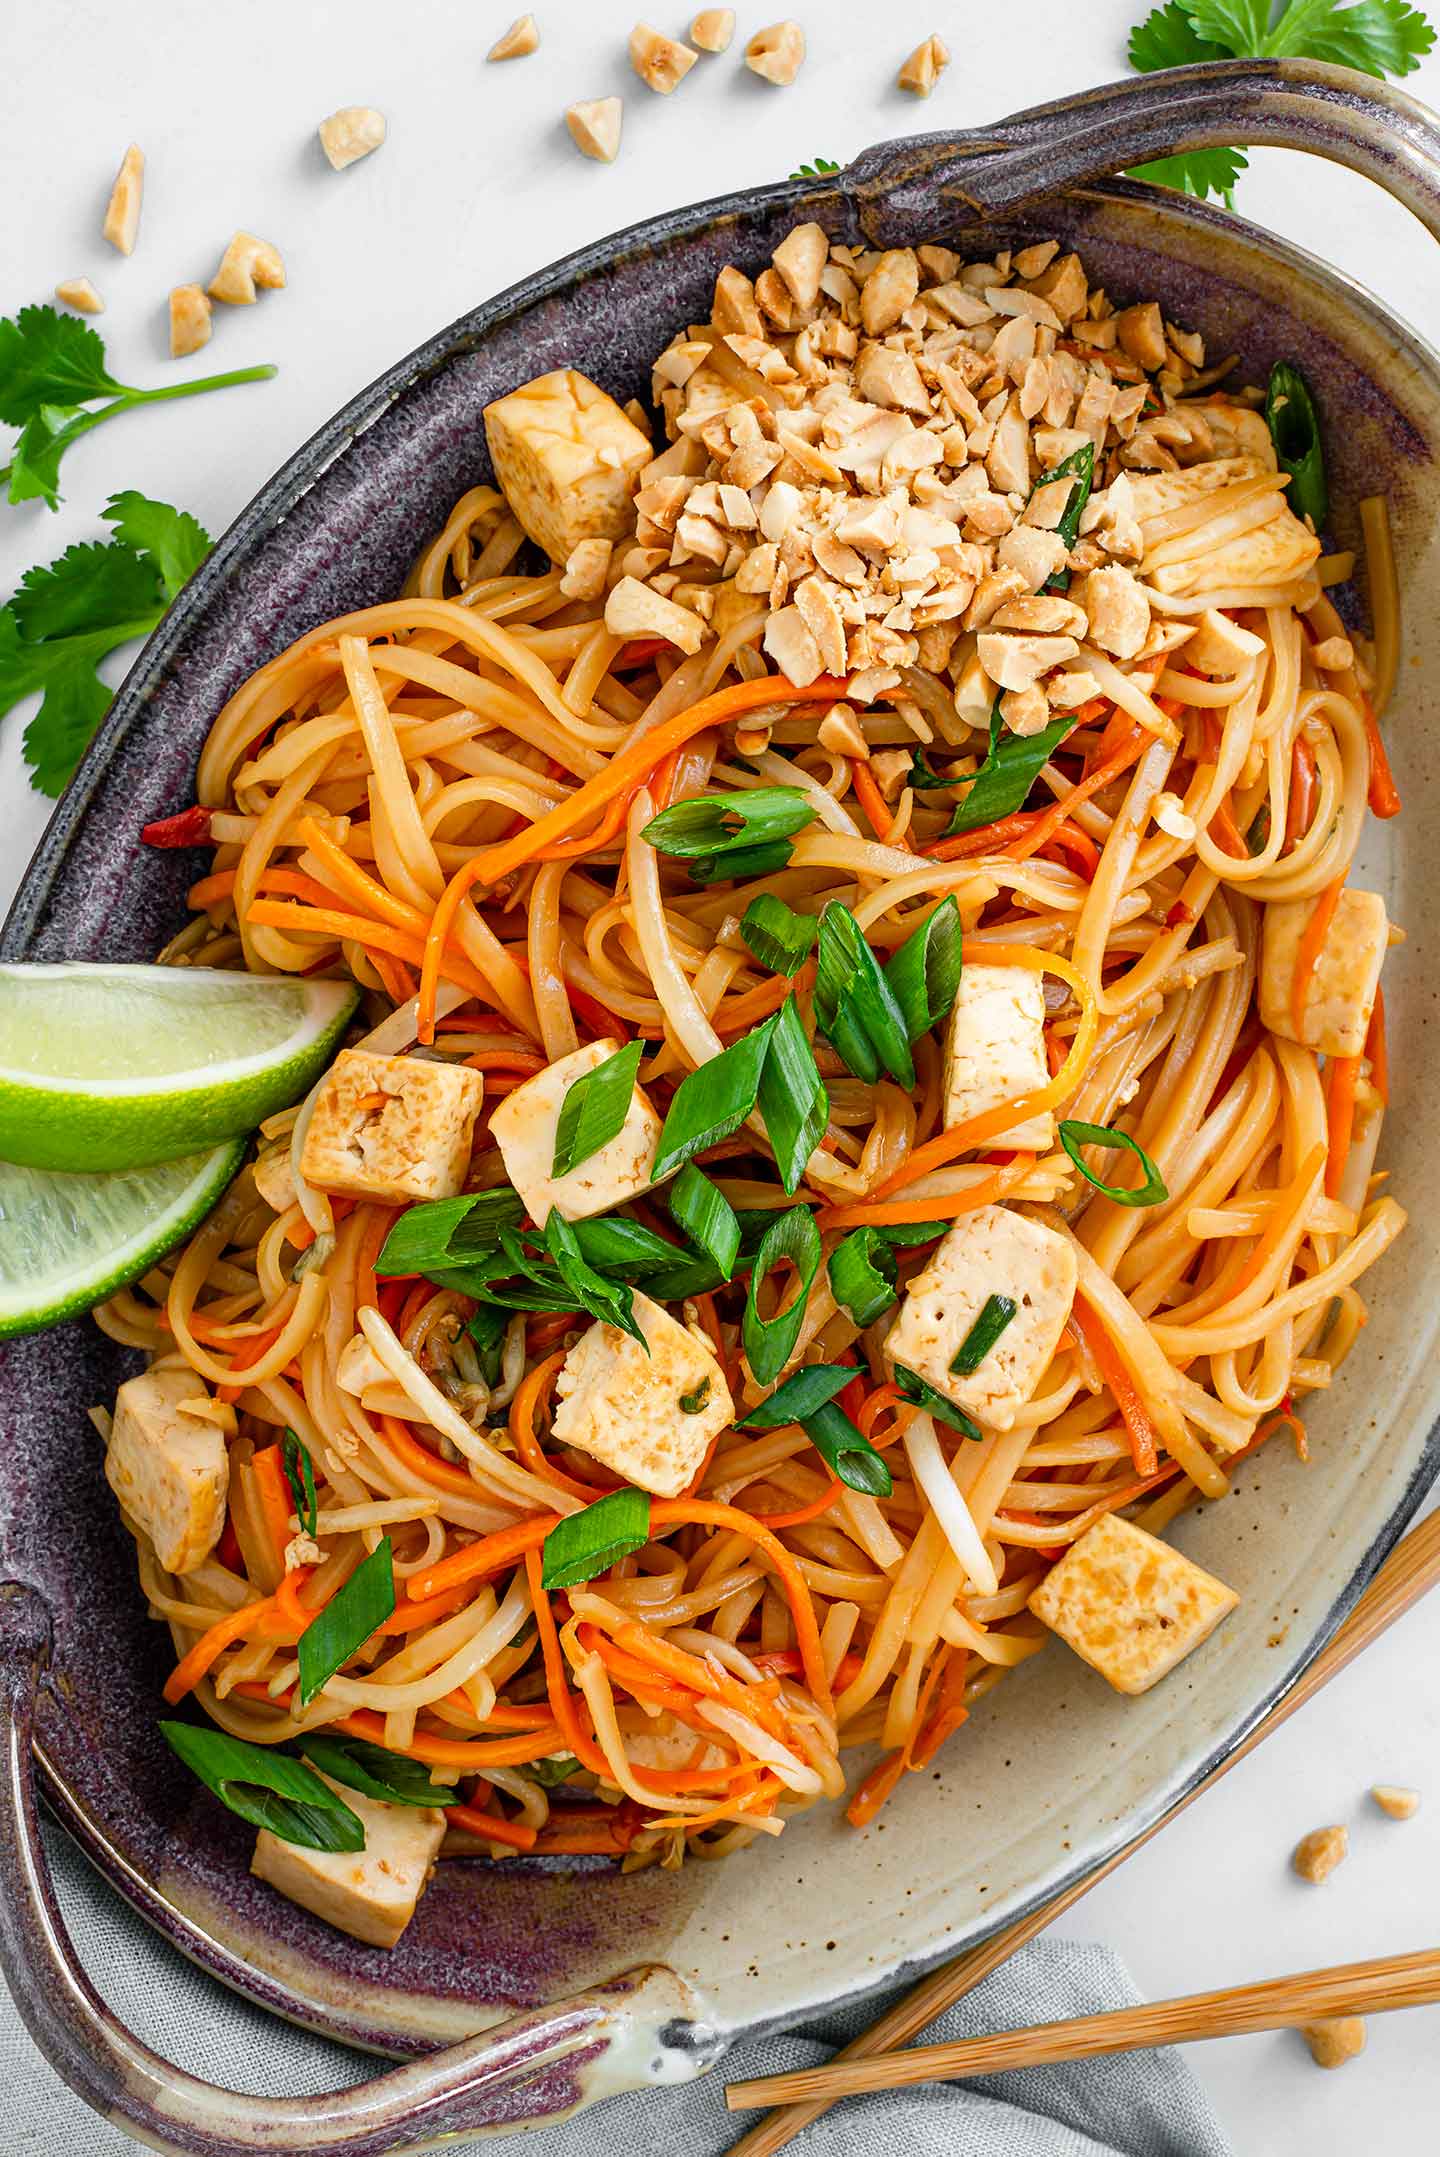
1144, 2104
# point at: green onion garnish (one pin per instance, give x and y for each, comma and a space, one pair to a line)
268, 1788
613, 1243
448, 1231
914, 1389
1080, 462
347, 1621
712, 825
850, 1455
862, 1275
735, 864
776, 935
995, 1316
710, 1103
769, 1342
372, 1771
1294, 425
594, 1109
549, 1772
1008, 772
855, 1006
803, 1392
1152, 1192
792, 1097
487, 1330
707, 1217
300, 1475
594, 1292
584, 1545
922, 776
924, 974
904, 1233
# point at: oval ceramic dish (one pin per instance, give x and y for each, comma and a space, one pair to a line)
1055, 1771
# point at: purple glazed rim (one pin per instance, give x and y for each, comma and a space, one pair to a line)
645, 2025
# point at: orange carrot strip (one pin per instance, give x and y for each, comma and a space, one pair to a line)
246, 1353
372, 1239
872, 1793
276, 1502
562, 1702
740, 1012
373, 936
1304, 782
362, 888
482, 1560
1051, 819
812, 1511
1116, 1374
1312, 943
275, 1616
1339, 1118
664, 1511
474, 1753
1382, 794
988, 1191
878, 813
492, 1825
531, 1391
611, 823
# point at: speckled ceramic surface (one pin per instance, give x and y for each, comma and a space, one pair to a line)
1055, 1770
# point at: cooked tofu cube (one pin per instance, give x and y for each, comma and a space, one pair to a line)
995, 1050
369, 1893
649, 1416
991, 1251
1276, 552
392, 1127
567, 458
1131, 1606
523, 1126
170, 1470
1340, 994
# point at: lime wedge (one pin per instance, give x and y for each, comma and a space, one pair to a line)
112, 1067
67, 1242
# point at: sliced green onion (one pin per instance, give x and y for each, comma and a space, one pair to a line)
268, 1788
425, 1235
1008, 773
496, 1279
372, 1771
995, 1316
586, 1543
1152, 1192
348, 1620
914, 1389
300, 1475
694, 1276
794, 1105
1257, 835
707, 1218
863, 1274
850, 1455
712, 1102
803, 1394
613, 1243
737, 863
921, 776
1080, 463
593, 1292
769, 1342
550, 1772
924, 974
711, 824
855, 1007
594, 1109
1294, 425
905, 1233
697, 1398
776, 935
487, 1330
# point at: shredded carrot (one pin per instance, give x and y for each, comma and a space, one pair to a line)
1376, 1050
534, 1388
950, 1711
876, 1788
563, 1705
276, 1502
1304, 784
372, 936
878, 813
738, 1013
246, 1353
1069, 839
884, 1400
450, 1475
1382, 793
607, 830
1050, 820
697, 1674
1341, 1077
665, 1511
492, 1825
1312, 943
477, 1754
1116, 1374
372, 1239
986, 1191
482, 1560
279, 1616
812, 1511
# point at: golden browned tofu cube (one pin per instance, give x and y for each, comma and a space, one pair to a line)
1340, 993
169, 1469
392, 1127
649, 1412
1131, 1606
369, 1893
568, 459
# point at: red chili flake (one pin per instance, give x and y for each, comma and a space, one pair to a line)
189, 827
1179, 912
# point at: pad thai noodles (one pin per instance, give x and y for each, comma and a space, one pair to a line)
865, 1098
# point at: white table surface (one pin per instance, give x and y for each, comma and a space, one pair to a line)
477, 185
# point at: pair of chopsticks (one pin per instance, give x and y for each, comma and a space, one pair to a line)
871, 2061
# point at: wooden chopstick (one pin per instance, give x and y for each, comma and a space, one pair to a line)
1410, 1571
1277, 2003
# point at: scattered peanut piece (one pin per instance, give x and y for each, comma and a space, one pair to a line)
660, 62
351, 133
926, 64
522, 36
1317, 1854
79, 293
1397, 1803
122, 212
594, 126
189, 320
1333, 2042
246, 263
777, 53
713, 29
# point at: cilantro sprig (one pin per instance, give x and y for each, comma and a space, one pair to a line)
52, 372
65, 618
1379, 37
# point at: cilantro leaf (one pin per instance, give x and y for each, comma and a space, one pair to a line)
174, 540
92, 586
1237, 27
1168, 38
1379, 37
1196, 172
75, 702
817, 171
47, 358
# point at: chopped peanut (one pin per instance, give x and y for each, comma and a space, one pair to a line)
521, 38
713, 29
79, 293
351, 133
660, 62
1336, 2040
925, 66
777, 53
122, 212
594, 126
634, 610
1395, 1802
1317, 1854
585, 568
246, 263
189, 320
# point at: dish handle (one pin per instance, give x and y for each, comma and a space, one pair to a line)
638, 2029
1332, 112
